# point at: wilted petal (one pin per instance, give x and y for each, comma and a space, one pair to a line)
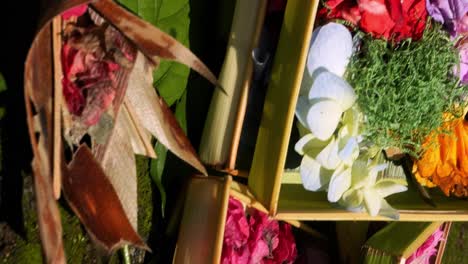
339, 183
310, 174
331, 47
372, 201
323, 118
329, 85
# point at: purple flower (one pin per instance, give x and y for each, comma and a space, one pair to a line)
463, 48
451, 13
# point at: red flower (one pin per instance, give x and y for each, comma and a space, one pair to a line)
389, 19
341, 9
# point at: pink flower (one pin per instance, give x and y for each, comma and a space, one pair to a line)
264, 237
256, 239
286, 251
74, 12
237, 228
428, 249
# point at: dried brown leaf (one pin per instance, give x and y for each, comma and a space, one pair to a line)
117, 160
153, 114
93, 198
38, 92
150, 40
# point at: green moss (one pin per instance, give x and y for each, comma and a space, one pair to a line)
404, 90
25, 253
75, 239
145, 196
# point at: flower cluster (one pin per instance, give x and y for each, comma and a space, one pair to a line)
256, 238
396, 20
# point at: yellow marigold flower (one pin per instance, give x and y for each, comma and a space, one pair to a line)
445, 160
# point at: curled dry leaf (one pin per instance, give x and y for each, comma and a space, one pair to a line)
95, 201
95, 79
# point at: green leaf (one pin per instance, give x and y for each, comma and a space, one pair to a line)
157, 165
156, 172
172, 17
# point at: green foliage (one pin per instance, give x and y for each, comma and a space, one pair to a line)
404, 90
172, 17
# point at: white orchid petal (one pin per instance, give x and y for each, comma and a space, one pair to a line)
310, 145
351, 120
372, 201
323, 118
302, 108
360, 174
328, 156
329, 85
350, 152
339, 183
310, 174
300, 145
388, 211
388, 187
331, 47
352, 198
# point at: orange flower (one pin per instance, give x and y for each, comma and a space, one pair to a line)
445, 160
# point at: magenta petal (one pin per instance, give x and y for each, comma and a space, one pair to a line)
428, 249
259, 250
74, 12
236, 231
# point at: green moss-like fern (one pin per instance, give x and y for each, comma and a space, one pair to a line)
403, 90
